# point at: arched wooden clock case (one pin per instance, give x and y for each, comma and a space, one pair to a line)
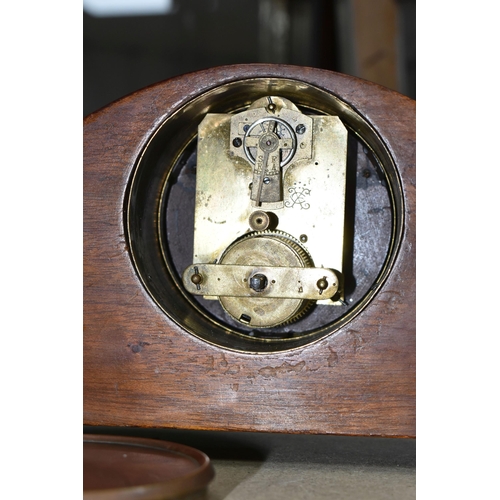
155, 356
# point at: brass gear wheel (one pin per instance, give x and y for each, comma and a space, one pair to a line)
266, 248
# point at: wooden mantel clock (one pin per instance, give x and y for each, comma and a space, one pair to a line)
249, 255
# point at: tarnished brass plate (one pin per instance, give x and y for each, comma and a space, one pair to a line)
313, 192
270, 168
281, 282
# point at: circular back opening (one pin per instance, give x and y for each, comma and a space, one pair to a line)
159, 216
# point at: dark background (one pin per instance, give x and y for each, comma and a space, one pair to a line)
374, 40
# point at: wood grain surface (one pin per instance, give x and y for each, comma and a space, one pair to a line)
141, 369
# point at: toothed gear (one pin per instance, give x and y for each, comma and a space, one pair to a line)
266, 248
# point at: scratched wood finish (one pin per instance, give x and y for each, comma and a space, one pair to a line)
141, 369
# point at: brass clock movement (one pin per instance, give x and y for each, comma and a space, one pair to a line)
269, 212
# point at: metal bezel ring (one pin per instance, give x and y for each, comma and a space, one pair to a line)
154, 172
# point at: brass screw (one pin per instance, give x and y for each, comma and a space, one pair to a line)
196, 278
322, 284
